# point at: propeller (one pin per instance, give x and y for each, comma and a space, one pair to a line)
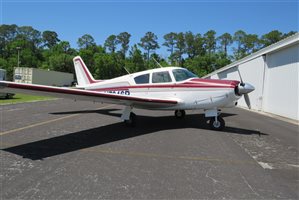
244, 89
242, 83
247, 100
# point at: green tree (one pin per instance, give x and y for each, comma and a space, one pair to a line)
135, 62
153, 64
190, 44
88, 57
111, 42
251, 43
30, 56
61, 57
201, 65
50, 38
30, 34
170, 40
194, 44
7, 34
180, 47
210, 41
221, 60
271, 38
8, 67
107, 65
149, 43
225, 40
239, 38
289, 34
124, 40
86, 41
199, 45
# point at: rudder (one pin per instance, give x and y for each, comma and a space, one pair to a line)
83, 75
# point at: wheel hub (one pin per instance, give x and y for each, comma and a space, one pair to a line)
216, 124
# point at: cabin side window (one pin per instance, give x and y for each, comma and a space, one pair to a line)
182, 74
161, 77
142, 79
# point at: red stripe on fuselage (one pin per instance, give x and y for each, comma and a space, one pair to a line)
214, 81
188, 84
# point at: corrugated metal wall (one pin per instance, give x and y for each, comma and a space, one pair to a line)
281, 82
23, 75
52, 78
275, 78
251, 72
42, 77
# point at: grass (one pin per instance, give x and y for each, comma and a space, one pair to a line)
21, 98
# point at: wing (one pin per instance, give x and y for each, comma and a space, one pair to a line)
85, 95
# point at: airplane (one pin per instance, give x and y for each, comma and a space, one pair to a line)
167, 88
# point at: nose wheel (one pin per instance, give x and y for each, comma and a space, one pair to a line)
180, 114
217, 123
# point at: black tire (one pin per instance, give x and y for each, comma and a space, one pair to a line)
219, 126
180, 114
132, 121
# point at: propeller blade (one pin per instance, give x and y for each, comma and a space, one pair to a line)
247, 100
242, 83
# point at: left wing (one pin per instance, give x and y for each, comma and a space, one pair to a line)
86, 95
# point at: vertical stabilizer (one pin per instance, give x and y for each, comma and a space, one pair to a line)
83, 75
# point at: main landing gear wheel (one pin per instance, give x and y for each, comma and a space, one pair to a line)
217, 125
132, 121
180, 114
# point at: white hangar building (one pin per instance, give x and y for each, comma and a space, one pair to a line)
273, 71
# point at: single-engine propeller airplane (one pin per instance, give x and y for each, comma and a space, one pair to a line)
168, 88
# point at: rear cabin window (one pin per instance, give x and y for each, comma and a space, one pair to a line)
161, 77
142, 79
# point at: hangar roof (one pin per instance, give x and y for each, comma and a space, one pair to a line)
289, 41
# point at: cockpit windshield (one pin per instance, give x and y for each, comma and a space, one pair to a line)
182, 74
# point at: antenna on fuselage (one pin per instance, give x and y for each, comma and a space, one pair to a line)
127, 70
157, 62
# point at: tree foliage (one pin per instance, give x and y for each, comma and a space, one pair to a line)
50, 38
124, 40
86, 41
201, 54
170, 41
149, 43
210, 41
111, 42
225, 40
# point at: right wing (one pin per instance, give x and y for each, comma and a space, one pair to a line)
86, 95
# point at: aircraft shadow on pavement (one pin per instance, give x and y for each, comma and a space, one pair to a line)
113, 132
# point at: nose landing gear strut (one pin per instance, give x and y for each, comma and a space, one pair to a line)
216, 122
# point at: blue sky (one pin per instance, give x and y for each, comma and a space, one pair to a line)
73, 18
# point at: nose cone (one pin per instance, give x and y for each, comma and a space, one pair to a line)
245, 88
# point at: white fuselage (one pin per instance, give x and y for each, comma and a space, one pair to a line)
166, 83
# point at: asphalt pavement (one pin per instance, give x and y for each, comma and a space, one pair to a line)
62, 149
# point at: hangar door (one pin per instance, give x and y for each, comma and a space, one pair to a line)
281, 82
252, 72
